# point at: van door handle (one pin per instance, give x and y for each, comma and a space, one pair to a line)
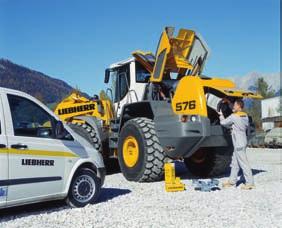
3, 146
19, 146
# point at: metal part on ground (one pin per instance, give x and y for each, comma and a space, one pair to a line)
206, 186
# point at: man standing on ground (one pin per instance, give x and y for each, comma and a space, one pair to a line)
239, 122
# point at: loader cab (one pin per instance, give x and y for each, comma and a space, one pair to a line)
119, 82
126, 83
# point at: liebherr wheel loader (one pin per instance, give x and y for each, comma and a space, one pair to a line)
162, 108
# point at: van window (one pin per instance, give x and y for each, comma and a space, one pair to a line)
29, 119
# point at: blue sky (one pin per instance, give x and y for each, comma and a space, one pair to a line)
76, 40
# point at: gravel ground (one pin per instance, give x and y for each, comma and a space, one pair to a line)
127, 204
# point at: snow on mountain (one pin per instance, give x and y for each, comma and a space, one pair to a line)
248, 81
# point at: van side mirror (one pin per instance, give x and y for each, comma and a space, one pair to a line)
107, 76
60, 130
44, 132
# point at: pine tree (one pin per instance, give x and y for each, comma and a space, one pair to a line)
255, 109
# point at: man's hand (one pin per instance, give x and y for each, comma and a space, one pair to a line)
220, 113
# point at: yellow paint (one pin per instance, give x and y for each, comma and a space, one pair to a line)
130, 151
180, 49
241, 114
39, 153
217, 82
176, 50
228, 88
140, 56
191, 89
3, 151
172, 183
189, 98
233, 92
76, 100
164, 46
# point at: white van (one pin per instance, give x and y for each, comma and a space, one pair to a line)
41, 158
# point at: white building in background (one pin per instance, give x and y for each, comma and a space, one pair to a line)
271, 113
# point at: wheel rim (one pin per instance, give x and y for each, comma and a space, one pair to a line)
199, 156
130, 151
84, 188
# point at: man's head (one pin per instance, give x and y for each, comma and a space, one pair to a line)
238, 105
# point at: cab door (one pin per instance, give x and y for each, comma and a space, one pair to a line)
37, 161
3, 160
120, 84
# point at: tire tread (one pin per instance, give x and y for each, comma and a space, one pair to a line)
155, 159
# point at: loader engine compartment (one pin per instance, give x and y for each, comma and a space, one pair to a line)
215, 104
215, 100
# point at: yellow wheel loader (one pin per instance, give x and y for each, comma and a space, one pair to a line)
89, 118
162, 108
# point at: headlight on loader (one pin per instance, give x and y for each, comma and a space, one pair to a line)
186, 118
194, 118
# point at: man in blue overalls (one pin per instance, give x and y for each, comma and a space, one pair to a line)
239, 122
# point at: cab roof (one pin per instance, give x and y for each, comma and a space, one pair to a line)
121, 63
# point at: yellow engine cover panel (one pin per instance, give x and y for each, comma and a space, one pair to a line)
189, 98
162, 52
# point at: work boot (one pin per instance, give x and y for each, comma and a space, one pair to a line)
247, 187
227, 184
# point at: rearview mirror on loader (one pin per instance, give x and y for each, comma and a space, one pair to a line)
107, 76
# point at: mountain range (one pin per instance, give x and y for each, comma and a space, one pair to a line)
248, 81
46, 88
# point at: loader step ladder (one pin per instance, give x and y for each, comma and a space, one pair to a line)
114, 134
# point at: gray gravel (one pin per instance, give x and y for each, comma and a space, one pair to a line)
127, 204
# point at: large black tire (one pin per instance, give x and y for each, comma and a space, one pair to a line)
84, 189
87, 133
215, 161
90, 135
150, 164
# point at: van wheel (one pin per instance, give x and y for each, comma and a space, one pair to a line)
84, 189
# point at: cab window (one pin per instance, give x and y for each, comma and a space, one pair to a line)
142, 75
123, 85
29, 119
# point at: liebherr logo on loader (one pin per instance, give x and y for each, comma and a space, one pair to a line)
81, 108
